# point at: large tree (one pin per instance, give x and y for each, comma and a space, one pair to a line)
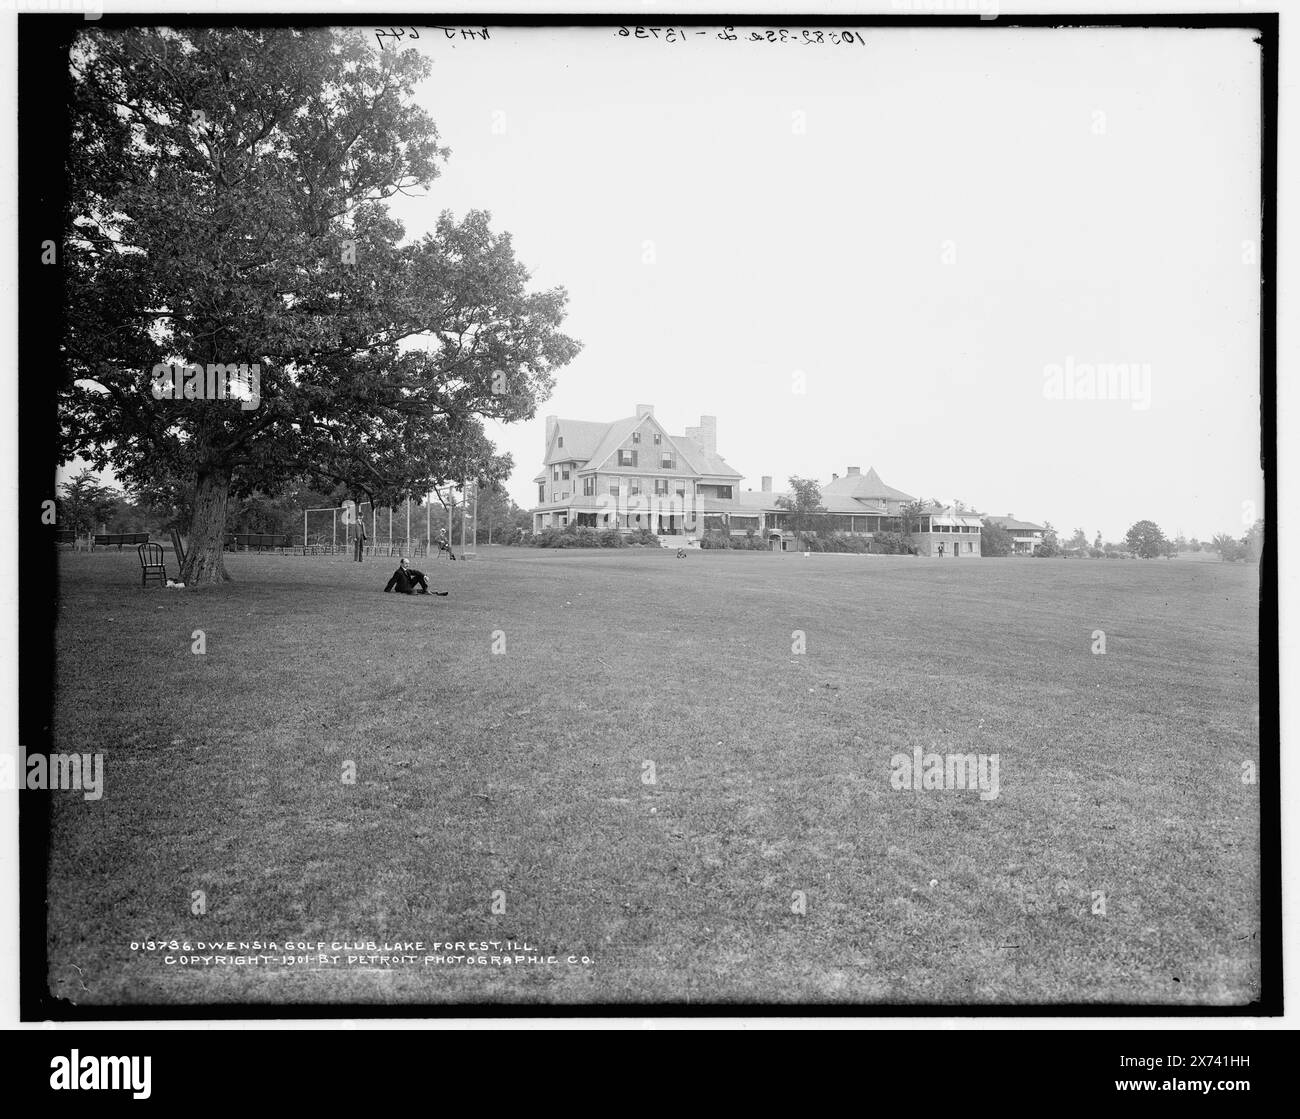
1145, 539
226, 209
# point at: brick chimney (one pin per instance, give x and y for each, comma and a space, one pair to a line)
706, 435
552, 422
643, 410
767, 483
854, 470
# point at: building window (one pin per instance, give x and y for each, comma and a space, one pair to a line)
555, 473
565, 474
555, 496
681, 487
724, 492
541, 493
658, 439
589, 486
613, 489
636, 437
560, 441
667, 461
627, 458
661, 487
634, 486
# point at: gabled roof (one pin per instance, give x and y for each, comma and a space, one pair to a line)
613, 437
701, 460
592, 445
1013, 525
581, 439
864, 487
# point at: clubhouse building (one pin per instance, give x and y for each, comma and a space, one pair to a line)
633, 474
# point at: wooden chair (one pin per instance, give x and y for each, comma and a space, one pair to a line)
151, 563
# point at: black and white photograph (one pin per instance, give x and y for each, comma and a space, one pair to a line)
669, 513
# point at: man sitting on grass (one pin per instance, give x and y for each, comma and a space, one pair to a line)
406, 579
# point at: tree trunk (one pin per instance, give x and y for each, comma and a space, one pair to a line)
205, 561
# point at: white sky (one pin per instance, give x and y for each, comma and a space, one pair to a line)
1096, 188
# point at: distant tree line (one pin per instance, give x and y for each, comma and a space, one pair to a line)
86, 505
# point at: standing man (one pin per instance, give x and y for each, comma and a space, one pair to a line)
360, 537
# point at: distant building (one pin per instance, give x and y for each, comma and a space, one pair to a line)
945, 533
1025, 535
634, 474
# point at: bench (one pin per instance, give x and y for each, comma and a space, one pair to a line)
258, 540
103, 539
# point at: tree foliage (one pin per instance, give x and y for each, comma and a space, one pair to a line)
84, 503
805, 512
1228, 547
910, 513
1249, 547
1145, 540
1253, 542
995, 540
226, 206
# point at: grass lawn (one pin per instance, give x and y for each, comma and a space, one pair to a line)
525, 772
